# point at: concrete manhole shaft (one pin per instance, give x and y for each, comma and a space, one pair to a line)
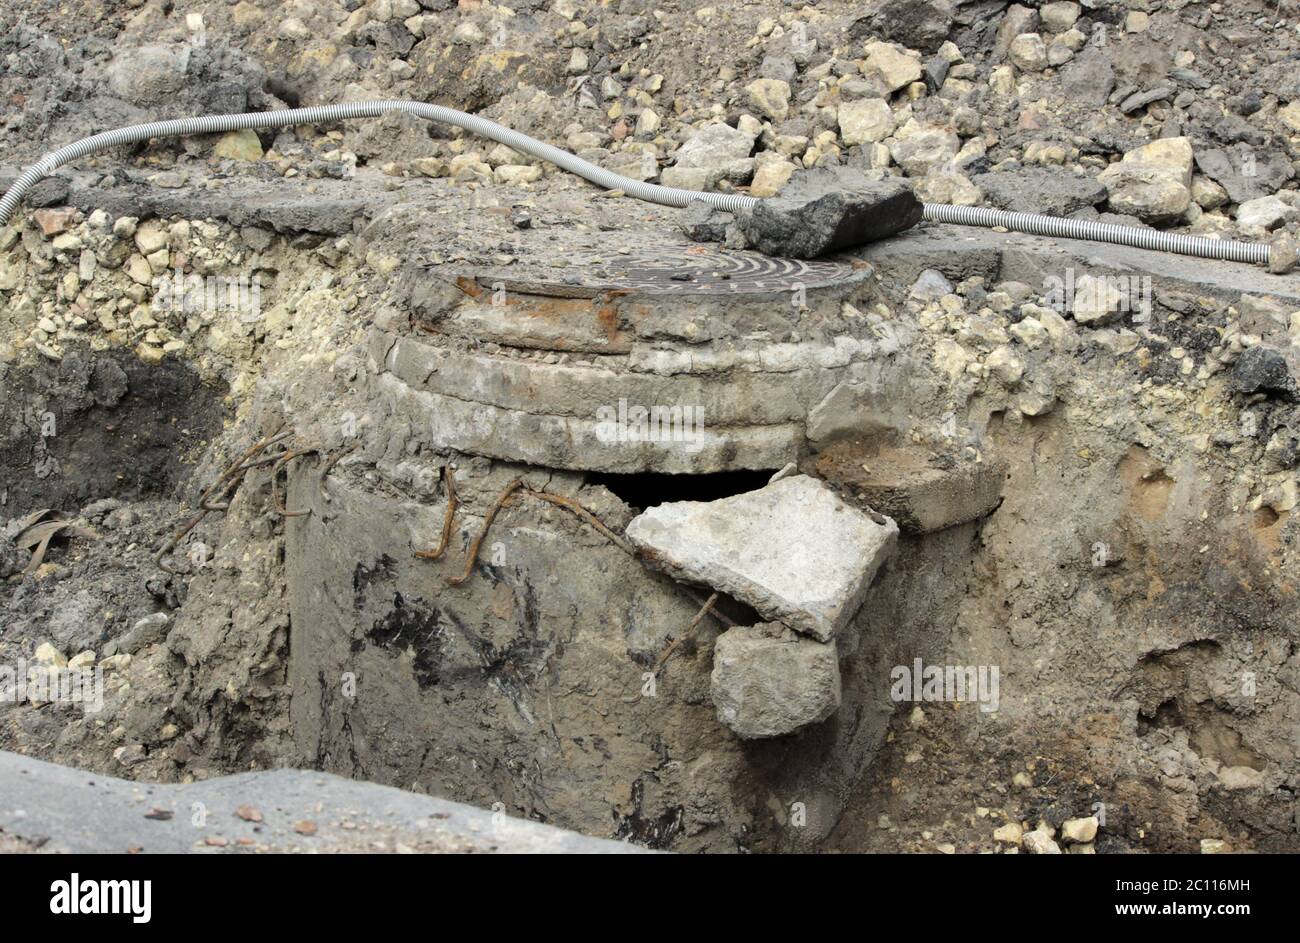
672, 270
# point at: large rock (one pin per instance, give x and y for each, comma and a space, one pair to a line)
1089, 79
865, 121
917, 24
829, 209
1050, 190
719, 150
895, 67
1267, 212
922, 495
1017, 21
770, 98
922, 150
1246, 173
1153, 182
768, 681
793, 550
1263, 369
148, 75
1028, 52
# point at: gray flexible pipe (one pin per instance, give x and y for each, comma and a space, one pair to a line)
1034, 223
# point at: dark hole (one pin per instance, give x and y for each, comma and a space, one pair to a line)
1166, 714
647, 489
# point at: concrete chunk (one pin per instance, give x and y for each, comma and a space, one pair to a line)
922, 494
793, 550
828, 209
768, 681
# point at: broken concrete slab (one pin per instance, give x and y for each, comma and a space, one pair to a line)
923, 494
829, 209
61, 809
769, 681
794, 550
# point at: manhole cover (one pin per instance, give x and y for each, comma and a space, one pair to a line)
675, 270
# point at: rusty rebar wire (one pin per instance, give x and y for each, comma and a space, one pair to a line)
690, 630
487, 523
448, 517
287, 456
227, 481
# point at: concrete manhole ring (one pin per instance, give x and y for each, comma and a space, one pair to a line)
673, 270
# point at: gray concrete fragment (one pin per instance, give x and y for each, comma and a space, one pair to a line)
923, 497
768, 681
793, 550
1247, 174
61, 809
828, 209
1050, 190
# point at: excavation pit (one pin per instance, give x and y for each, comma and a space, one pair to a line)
523, 669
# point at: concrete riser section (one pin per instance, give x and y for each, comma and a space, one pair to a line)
529, 685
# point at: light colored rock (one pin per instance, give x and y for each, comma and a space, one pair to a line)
770, 98
1267, 212
1289, 115
1030, 332
1003, 80
718, 149
49, 656
150, 236
467, 33
429, 167
1057, 17
922, 150
1009, 834
1006, 365
1079, 830
1215, 846
1284, 253
238, 145
1028, 52
769, 681
1016, 21
639, 165
1152, 181
1098, 301
793, 550
648, 122
944, 185
865, 121
515, 174
770, 176
1240, 777
895, 68
685, 178
1039, 842
1208, 194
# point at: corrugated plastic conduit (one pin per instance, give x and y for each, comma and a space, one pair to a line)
1033, 223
